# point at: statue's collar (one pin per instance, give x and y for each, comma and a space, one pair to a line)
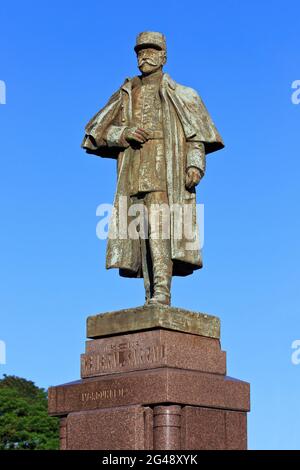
154, 78
166, 80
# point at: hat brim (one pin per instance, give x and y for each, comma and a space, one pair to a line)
145, 45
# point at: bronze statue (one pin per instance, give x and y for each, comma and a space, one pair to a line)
160, 133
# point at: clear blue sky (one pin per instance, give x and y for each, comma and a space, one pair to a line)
60, 61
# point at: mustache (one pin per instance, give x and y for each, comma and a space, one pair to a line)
148, 61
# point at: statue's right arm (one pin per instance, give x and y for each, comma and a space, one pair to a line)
104, 132
107, 132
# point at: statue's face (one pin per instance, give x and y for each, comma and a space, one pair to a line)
150, 60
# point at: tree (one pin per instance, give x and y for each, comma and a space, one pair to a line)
24, 420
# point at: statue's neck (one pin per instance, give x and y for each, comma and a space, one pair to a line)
152, 77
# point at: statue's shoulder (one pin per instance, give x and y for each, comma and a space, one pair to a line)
130, 82
186, 93
117, 95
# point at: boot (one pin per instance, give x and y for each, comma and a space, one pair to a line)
162, 266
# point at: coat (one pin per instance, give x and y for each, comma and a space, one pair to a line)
185, 121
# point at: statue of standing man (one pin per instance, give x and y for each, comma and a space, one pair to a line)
160, 133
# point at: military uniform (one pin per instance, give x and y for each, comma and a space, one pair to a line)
181, 134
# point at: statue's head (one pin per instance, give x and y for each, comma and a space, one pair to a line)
151, 51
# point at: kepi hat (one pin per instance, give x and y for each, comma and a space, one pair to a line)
150, 39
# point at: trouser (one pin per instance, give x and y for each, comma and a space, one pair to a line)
155, 243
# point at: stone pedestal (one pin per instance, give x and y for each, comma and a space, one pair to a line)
153, 378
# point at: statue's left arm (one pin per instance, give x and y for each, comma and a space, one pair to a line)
202, 136
195, 163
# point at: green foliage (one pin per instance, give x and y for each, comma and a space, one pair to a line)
24, 420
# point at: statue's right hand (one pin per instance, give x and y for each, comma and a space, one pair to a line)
136, 135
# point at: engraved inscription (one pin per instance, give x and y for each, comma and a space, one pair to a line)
106, 394
122, 355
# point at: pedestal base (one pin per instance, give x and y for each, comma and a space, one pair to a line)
167, 427
162, 388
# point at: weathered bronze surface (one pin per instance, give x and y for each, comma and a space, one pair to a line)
160, 133
152, 316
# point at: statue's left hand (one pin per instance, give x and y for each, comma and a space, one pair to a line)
193, 177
